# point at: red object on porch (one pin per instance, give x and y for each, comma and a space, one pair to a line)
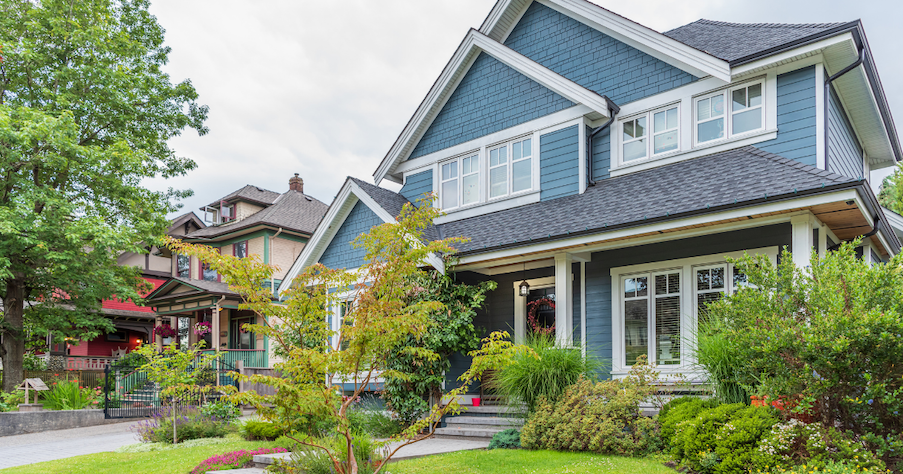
476, 401
128, 305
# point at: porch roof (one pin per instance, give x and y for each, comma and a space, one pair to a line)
731, 179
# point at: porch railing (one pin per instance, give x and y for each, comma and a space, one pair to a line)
250, 357
82, 362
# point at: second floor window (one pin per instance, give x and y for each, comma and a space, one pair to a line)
665, 134
207, 273
240, 249
460, 182
729, 112
511, 168
183, 266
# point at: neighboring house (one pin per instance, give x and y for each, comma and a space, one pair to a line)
134, 324
250, 221
612, 168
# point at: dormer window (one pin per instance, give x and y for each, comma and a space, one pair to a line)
226, 212
746, 112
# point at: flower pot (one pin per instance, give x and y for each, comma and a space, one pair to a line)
476, 401
167, 341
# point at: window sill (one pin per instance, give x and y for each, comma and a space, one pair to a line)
494, 205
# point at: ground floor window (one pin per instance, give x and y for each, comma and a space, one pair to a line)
240, 338
656, 306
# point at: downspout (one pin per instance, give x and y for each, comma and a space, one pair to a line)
875, 227
272, 277
613, 110
827, 99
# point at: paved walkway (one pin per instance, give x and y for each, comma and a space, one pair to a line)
50, 445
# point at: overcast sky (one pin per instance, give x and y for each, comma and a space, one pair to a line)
323, 88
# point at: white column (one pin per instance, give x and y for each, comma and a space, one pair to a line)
564, 299
801, 240
583, 307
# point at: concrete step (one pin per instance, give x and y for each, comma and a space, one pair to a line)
469, 432
492, 410
263, 460
485, 420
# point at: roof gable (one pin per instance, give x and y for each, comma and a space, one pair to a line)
293, 211
248, 193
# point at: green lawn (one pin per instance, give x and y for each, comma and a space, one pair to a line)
509, 461
170, 461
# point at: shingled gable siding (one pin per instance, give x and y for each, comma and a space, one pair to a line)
601, 154
340, 253
416, 185
558, 163
844, 153
598, 272
490, 97
590, 58
796, 117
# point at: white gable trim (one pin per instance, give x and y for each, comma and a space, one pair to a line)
474, 43
348, 197
501, 21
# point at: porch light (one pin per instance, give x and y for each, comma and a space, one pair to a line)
524, 288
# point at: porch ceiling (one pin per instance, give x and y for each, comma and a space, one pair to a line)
847, 222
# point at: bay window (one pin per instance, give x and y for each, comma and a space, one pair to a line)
714, 121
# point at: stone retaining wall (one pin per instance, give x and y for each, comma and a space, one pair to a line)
16, 423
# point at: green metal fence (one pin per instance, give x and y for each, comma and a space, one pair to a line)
250, 358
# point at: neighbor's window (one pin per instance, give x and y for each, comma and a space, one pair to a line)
746, 112
183, 266
240, 249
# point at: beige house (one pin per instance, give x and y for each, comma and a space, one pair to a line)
250, 221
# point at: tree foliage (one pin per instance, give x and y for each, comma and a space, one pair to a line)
85, 115
891, 195
384, 309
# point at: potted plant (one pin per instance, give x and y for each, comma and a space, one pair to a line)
203, 328
166, 332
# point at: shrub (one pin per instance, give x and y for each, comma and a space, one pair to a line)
528, 378
221, 410
508, 439
831, 467
694, 438
715, 354
312, 460
367, 418
601, 417
132, 359
10, 401
68, 396
190, 424
794, 443
232, 460
256, 429
678, 410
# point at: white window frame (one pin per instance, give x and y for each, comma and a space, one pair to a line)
509, 163
728, 114
688, 293
456, 166
458, 163
649, 115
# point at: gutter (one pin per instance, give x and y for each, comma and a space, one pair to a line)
613, 110
827, 99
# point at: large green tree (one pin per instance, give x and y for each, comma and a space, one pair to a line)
85, 115
891, 195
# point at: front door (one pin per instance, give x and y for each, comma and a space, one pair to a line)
541, 311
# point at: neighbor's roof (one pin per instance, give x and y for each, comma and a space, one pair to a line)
249, 193
736, 41
392, 203
293, 211
201, 286
743, 176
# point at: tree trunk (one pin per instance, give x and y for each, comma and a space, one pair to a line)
13, 340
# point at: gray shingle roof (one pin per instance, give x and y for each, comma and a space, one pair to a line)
204, 285
733, 41
249, 193
392, 202
293, 211
744, 175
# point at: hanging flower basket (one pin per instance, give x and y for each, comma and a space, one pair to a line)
164, 330
203, 328
533, 308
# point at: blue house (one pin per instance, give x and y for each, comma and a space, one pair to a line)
611, 169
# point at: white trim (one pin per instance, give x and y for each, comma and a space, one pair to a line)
687, 297
821, 153
498, 204
564, 300
520, 306
581, 155
583, 307
801, 239
791, 56
626, 31
590, 243
473, 43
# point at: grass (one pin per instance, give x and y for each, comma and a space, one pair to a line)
171, 461
517, 461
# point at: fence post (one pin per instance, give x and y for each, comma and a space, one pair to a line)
106, 391
240, 368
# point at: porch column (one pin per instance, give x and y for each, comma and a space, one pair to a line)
564, 304
214, 338
158, 341
801, 240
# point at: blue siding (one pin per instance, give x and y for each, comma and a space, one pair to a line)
559, 173
578, 303
340, 253
598, 271
602, 153
416, 185
589, 58
844, 153
491, 97
796, 117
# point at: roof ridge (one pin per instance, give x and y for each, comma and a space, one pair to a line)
766, 25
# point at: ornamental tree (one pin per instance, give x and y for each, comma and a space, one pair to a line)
384, 308
85, 115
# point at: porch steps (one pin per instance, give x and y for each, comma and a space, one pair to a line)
480, 422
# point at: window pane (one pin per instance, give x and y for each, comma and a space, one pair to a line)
718, 278
739, 98
703, 279
521, 179
527, 147
208, 273
641, 286
629, 288
636, 330
755, 95
746, 121
498, 181
672, 118
450, 194
667, 330
471, 192
640, 127
661, 284
717, 105
635, 150
628, 130
184, 266
494, 157
449, 170
740, 279
470, 164
665, 142
674, 282
660, 121
703, 109
240, 249
516, 151
703, 300
711, 130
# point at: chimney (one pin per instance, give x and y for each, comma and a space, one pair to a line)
296, 184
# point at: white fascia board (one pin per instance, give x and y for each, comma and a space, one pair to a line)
324, 234
588, 243
647, 40
474, 43
789, 56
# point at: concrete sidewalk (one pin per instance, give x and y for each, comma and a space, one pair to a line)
59, 444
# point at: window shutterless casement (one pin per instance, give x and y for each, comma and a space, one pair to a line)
459, 182
639, 141
511, 168
729, 112
498, 171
